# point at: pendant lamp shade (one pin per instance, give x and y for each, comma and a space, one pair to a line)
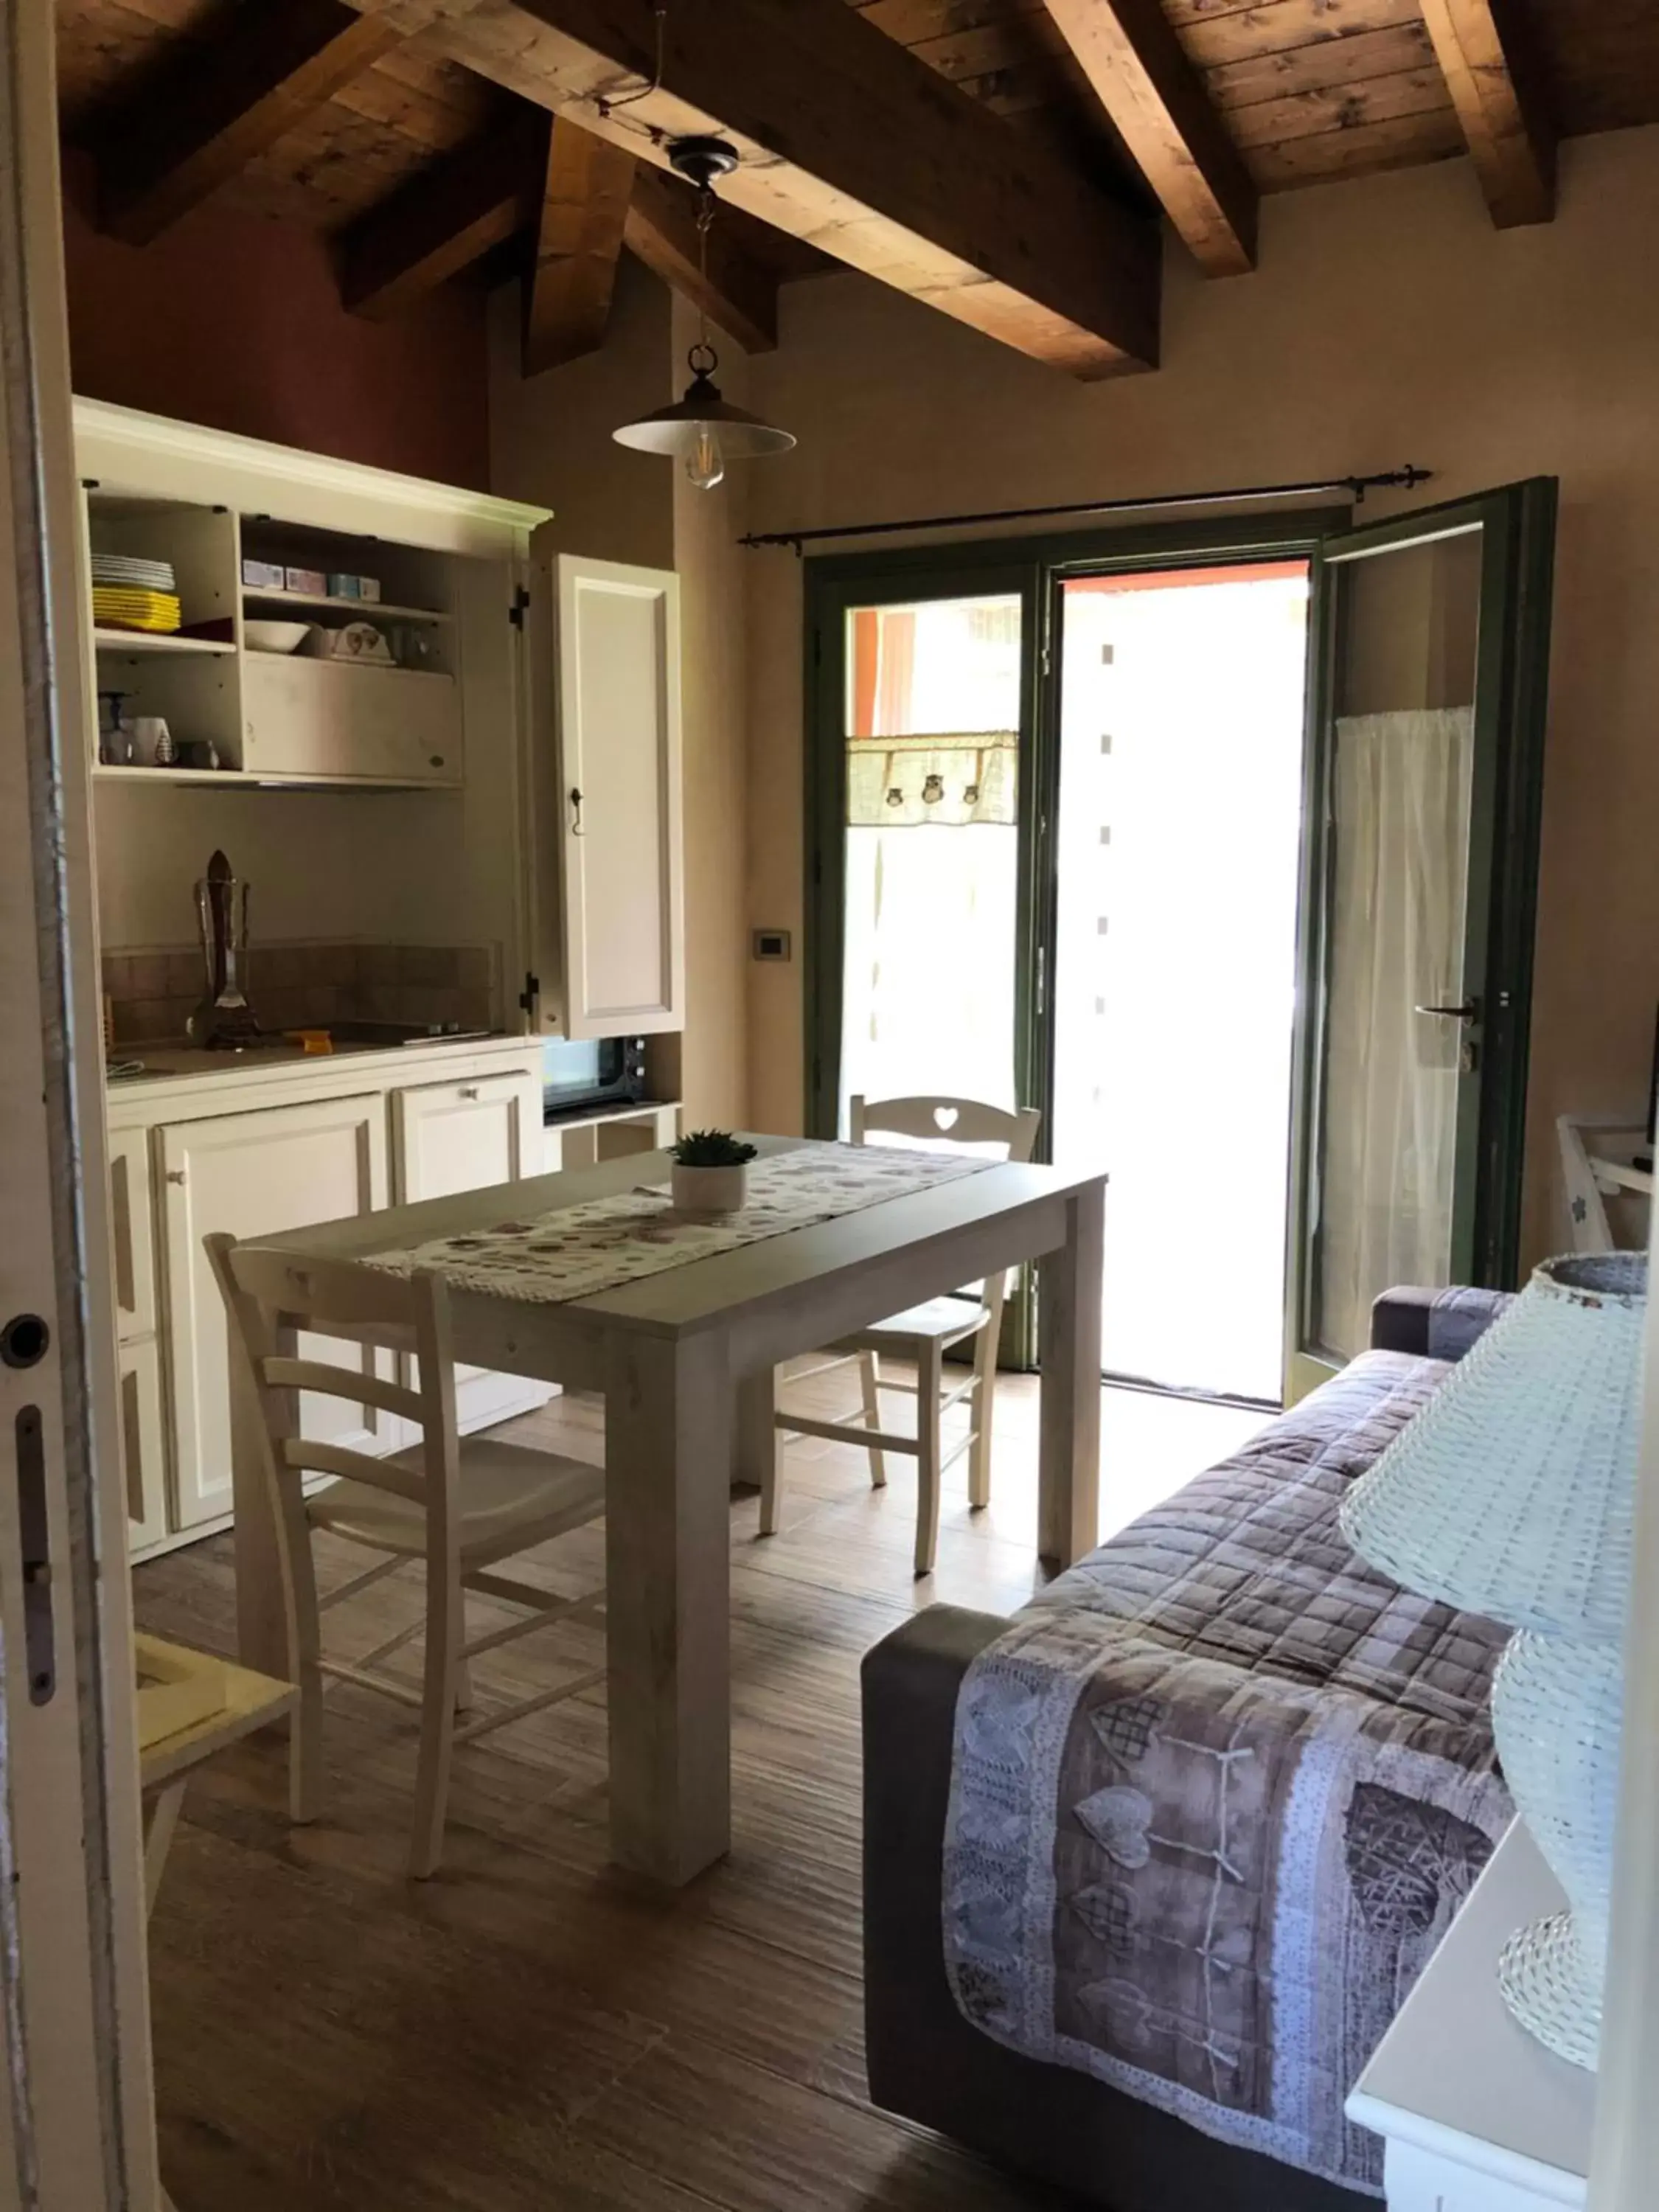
704, 430
1513, 1492
677, 430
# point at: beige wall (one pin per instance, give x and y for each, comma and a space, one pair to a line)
1389, 322
551, 442
713, 579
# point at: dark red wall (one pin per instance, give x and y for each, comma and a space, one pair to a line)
234, 320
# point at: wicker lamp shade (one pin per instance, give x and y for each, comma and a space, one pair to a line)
1513, 1492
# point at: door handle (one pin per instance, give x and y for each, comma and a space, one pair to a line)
1468, 1011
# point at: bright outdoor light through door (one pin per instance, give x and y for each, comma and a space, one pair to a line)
1177, 845
933, 850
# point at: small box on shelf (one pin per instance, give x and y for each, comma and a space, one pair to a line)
264, 576
314, 581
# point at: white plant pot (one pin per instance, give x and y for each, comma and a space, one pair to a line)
710, 1190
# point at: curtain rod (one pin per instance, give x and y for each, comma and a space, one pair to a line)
1355, 488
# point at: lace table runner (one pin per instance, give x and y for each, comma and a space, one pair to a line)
576, 1251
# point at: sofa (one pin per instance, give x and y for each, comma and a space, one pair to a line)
1236, 1598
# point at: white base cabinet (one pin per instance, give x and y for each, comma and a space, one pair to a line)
469, 1135
250, 1147
143, 1443
1474, 2115
248, 1175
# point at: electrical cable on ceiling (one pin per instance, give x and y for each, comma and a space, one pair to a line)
1355, 487
608, 103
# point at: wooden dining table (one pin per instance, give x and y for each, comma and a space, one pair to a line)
684, 1359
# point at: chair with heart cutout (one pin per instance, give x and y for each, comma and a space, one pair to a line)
924, 1334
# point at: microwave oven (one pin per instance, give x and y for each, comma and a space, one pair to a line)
579, 1074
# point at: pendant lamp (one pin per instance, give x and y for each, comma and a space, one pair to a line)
703, 429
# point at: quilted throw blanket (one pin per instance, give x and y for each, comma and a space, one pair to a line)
1218, 1792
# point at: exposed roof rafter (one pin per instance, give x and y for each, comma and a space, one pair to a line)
1142, 78
852, 143
1487, 65
226, 95
444, 219
587, 184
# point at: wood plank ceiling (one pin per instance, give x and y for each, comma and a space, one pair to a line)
383, 122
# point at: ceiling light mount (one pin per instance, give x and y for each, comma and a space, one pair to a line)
700, 160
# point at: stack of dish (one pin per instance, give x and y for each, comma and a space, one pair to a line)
129, 593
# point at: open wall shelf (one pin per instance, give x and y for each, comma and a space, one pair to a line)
141, 641
283, 720
369, 610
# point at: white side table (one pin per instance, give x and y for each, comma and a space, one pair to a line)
1476, 2115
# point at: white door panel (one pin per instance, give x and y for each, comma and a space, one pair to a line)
76, 2105
249, 1175
618, 648
450, 1137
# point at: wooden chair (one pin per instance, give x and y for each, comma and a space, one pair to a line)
460, 1503
924, 1334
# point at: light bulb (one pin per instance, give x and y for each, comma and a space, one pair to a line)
706, 464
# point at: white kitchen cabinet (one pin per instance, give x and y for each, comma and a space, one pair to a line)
467, 1135
143, 1441
235, 518
362, 723
130, 1223
249, 1173
610, 804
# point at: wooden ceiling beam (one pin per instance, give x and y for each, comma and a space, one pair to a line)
737, 293
444, 219
1141, 76
226, 94
1487, 66
852, 143
586, 185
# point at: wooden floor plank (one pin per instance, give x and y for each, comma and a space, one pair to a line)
533, 2028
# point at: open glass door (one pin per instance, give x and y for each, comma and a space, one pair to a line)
919, 858
1418, 892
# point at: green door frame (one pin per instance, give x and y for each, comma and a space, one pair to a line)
834, 588
1038, 569
1513, 665
1517, 528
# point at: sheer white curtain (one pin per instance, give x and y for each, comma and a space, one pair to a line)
1401, 808
932, 852
928, 1003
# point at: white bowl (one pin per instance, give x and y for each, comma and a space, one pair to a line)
274, 636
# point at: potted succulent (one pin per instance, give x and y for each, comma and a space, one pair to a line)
710, 1172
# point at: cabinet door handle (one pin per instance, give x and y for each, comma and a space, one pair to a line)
469, 1091
577, 829
175, 1175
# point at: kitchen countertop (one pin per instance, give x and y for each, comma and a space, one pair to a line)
164, 1063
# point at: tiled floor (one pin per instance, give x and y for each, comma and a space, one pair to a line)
533, 2032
